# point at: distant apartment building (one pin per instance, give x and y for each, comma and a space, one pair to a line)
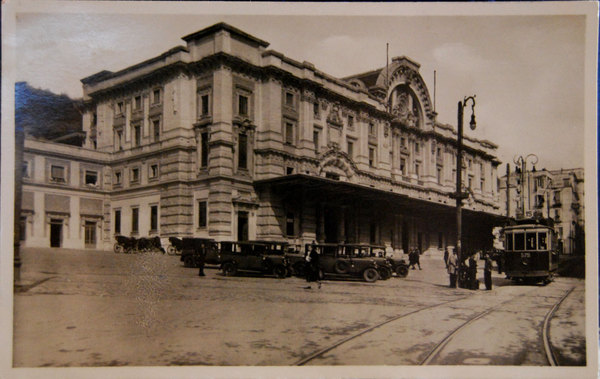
225, 139
555, 194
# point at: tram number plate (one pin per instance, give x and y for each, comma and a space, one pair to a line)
525, 255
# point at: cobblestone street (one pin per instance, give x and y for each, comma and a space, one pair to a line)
91, 308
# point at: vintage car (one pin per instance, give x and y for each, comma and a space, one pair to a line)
334, 263
266, 257
192, 250
373, 252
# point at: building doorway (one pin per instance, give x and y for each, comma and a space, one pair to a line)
331, 225
90, 234
56, 232
405, 241
242, 226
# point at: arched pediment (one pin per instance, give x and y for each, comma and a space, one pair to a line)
338, 163
404, 73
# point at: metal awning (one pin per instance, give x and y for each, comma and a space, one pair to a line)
337, 192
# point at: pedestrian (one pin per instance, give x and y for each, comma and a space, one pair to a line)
312, 266
200, 254
487, 272
417, 257
411, 259
472, 273
452, 268
446, 257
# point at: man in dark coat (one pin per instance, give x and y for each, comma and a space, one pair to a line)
313, 267
487, 272
200, 255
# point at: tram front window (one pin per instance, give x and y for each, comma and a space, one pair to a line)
542, 241
530, 239
509, 241
519, 241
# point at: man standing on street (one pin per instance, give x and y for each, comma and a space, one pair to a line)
452, 268
487, 272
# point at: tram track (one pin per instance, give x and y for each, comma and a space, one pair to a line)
320, 352
439, 347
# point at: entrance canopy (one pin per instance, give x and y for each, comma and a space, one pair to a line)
335, 192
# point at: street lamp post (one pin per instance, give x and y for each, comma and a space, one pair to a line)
459, 194
523, 162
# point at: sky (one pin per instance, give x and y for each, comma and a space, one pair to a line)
527, 72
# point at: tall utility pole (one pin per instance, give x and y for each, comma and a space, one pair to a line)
460, 196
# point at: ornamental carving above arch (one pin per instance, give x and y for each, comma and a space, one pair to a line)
337, 162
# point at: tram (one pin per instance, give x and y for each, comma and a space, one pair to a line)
530, 251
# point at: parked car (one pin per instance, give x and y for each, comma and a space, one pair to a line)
193, 248
129, 245
266, 257
334, 262
373, 252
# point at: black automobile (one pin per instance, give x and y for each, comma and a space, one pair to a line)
373, 252
334, 263
192, 250
265, 257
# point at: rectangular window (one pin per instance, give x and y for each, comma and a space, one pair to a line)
119, 139
289, 99
57, 173
137, 135
289, 133
204, 146
243, 151
542, 241
204, 105
438, 152
403, 142
135, 175
117, 221
372, 130
556, 197
417, 169
416, 148
118, 177
482, 183
153, 173
120, 108
289, 224
470, 181
350, 121
530, 240
91, 178
137, 103
350, 149
243, 105
439, 175
509, 241
316, 111
90, 233
403, 166
519, 241
135, 213
202, 214
25, 169
155, 130
316, 140
154, 217
371, 157
156, 96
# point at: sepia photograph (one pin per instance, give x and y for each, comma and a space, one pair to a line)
196, 189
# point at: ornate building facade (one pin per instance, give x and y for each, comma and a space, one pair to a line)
223, 138
555, 194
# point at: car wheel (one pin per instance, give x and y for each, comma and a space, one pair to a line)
370, 275
280, 271
385, 273
341, 267
402, 271
229, 269
118, 248
171, 250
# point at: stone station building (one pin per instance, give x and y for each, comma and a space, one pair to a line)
223, 138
